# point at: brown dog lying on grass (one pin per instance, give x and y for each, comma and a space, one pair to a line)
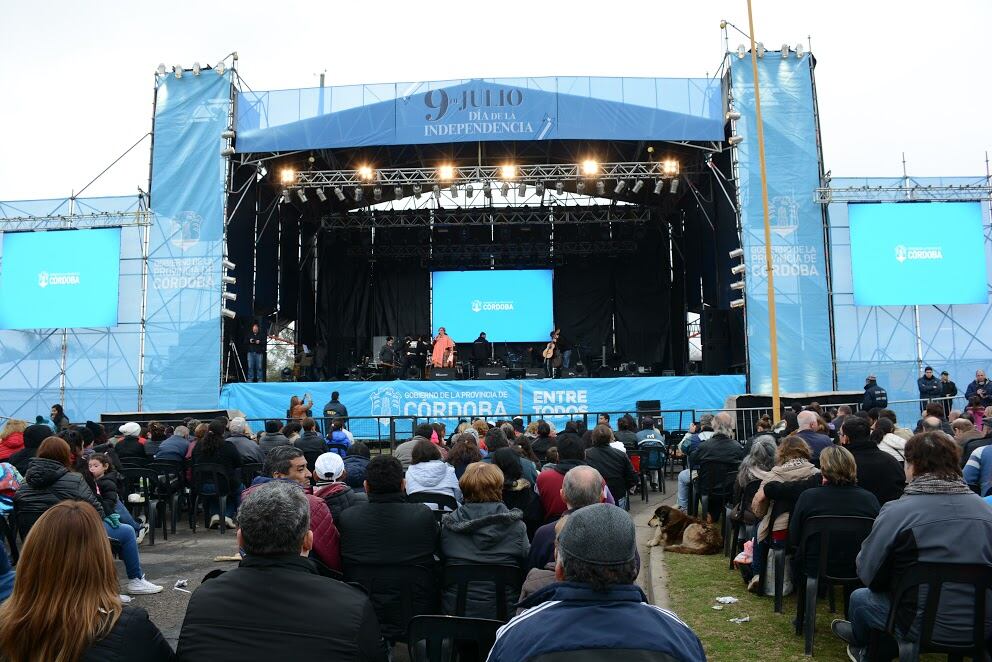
683, 534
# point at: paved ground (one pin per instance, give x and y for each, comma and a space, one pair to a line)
190, 556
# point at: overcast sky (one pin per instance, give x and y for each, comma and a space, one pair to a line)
76, 78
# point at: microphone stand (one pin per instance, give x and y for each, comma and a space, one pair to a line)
237, 357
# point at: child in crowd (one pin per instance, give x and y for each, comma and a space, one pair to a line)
107, 486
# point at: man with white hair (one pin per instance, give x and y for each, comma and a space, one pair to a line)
808, 424
247, 447
719, 447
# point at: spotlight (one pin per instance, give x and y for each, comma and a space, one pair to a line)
469, 191
509, 171
659, 187
738, 269
301, 195
229, 314
733, 115
219, 68
741, 52
377, 193
285, 196
735, 139
228, 134
161, 69
670, 168
487, 189
638, 185
228, 280
453, 190
228, 296
737, 303
760, 50
580, 187
446, 172
505, 189
196, 68
621, 185
321, 195
287, 176
397, 191
600, 188
436, 190
178, 70
785, 51
366, 172
723, 25
227, 264
737, 286
589, 167
522, 189
736, 253
559, 188
674, 186
358, 194
417, 190
539, 189
227, 151
339, 194
799, 50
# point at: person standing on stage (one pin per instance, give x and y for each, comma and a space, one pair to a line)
481, 351
551, 355
929, 387
443, 355
256, 348
565, 347
948, 390
387, 355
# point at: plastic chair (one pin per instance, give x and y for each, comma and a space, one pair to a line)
503, 577
443, 503
171, 486
215, 475
654, 458
397, 594
639, 460
335, 447
904, 602
134, 461
250, 471
143, 481
717, 483
451, 638
826, 530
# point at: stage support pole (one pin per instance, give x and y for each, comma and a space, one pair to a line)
773, 339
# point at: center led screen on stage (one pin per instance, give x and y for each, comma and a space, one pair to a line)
510, 306
59, 279
918, 253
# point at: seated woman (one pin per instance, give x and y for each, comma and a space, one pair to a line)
883, 434
754, 469
215, 449
483, 531
612, 464
518, 492
62, 610
839, 496
428, 473
51, 479
464, 452
774, 500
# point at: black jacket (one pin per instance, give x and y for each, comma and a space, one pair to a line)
541, 445
837, 500
33, 436
875, 396
334, 409
878, 472
270, 440
311, 442
45, 484
272, 608
339, 497
615, 468
929, 388
226, 455
130, 447
382, 543
718, 448
107, 484
134, 638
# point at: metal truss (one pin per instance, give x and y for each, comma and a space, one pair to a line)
826, 195
474, 252
472, 174
425, 218
76, 221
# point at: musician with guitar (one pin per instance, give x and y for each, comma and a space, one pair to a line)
443, 355
552, 355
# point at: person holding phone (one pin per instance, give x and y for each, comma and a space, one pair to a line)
298, 408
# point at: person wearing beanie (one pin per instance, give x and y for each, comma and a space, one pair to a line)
330, 473
596, 568
33, 436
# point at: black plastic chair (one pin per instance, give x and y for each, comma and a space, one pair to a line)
397, 593
144, 481
905, 602
716, 488
171, 487
642, 476
133, 461
451, 638
250, 471
502, 577
443, 503
734, 541
216, 475
821, 531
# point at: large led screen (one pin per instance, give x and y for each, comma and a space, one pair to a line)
510, 306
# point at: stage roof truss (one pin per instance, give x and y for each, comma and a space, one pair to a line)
76, 221
470, 253
500, 216
826, 195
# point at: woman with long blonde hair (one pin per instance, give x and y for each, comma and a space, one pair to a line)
65, 606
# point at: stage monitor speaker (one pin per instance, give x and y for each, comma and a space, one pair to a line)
608, 371
492, 373
570, 372
534, 373
648, 407
715, 331
444, 373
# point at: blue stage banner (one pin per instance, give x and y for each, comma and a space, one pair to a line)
798, 256
518, 109
451, 400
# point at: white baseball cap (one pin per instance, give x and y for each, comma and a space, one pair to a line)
329, 466
131, 429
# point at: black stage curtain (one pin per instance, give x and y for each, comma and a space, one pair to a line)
241, 240
266, 252
400, 291
289, 261
642, 285
583, 301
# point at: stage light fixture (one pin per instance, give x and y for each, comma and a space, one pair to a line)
178, 71
760, 50
785, 51
301, 195
377, 193
228, 296
723, 25
358, 194
738, 269
436, 190
799, 50
339, 194
469, 191
539, 189
735, 139
196, 68
580, 187
227, 151
638, 185
589, 167
505, 189
417, 190
220, 68
228, 134
559, 188
736, 253
741, 52
161, 71
487, 189
508, 171
397, 191
733, 115
453, 190
674, 186
228, 280
287, 175
600, 188
670, 168
621, 185
366, 172
522, 189
229, 314
321, 195
286, 197
227, 264
446, 172
737, 303
737, 286
659, 187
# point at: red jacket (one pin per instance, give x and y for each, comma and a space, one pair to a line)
12, 444
326, 539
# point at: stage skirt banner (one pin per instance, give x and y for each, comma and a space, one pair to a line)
449, 401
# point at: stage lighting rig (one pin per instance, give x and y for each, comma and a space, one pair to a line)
505, 189
741, 52
659, 187
638, 185
487, 189
733, 115
358, 194
469, 191
799, 50
286, 199
539, 189
178, 71
196, 68
508, 171
377, 193
738, 269
417, 191
737, 303
321, 195
522, 189
670, 168
559, 188
229, 314
301, 195
590, 167
287, 176
735, 139
674, 186
453, 189
580, 187
736, 253
600, 188
446, 172
162, 70
436, 190
397, 191
339, 194
621, 185
760, 49
366, 172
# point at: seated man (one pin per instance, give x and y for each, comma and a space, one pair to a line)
310, 440
247, 448
232, 617
389, 545
583, 486
174, 448
286, 463
597, 558
571, 454
273, 436
937, 508
718, 447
